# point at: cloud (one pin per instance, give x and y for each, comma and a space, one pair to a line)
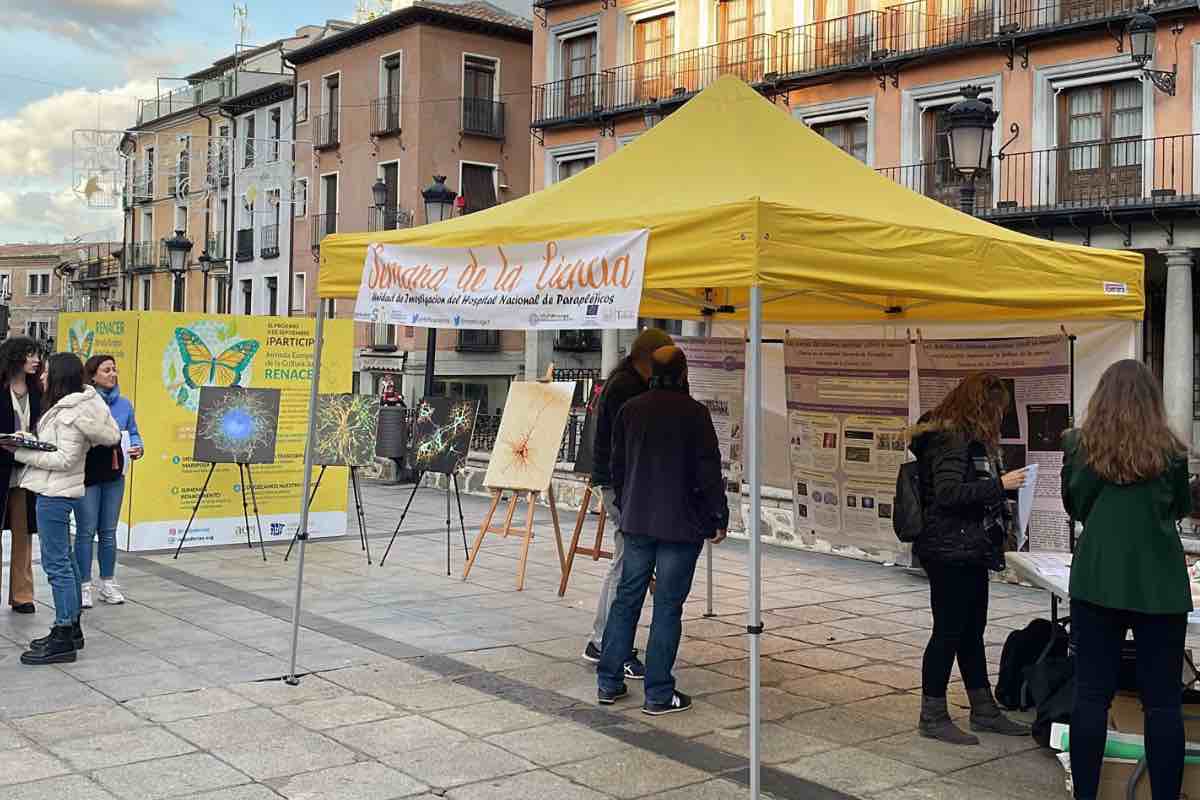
54, 217
104, 24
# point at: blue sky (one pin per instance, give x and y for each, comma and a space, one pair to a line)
68, 64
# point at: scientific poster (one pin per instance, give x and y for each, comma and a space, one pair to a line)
530, 435
1037, 373
847, 413
717, 378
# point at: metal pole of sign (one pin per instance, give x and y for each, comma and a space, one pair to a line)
754, 625
430, 359
302, 531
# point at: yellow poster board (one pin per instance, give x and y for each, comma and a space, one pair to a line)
163, 359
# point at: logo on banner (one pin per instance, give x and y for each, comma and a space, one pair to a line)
1111, 287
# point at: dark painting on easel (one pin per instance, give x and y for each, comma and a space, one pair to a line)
585, 450
236, 425
442, 434
346, 425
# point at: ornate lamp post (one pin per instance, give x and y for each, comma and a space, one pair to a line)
971, 122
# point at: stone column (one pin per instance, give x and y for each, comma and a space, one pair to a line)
1179, 342
610, 350
539, 353
693, 328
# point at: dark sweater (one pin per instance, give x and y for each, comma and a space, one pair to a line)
624, 384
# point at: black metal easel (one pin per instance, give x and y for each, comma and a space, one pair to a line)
462, 523
247, 479
359, 512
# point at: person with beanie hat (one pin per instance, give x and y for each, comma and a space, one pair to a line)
629, 379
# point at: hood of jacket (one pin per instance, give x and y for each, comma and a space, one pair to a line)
926, 432
80, 408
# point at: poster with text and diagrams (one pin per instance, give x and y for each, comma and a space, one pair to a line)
848, 402
717, 378
1037, 373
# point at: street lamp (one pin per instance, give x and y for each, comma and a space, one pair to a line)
178, 247
970, 122
439, 200
1141, 32
379, 195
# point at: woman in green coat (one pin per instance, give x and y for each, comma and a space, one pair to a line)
1125, 477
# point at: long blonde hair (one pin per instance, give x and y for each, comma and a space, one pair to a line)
976, 407
1126, 438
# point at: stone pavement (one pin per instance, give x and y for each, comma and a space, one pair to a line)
418, 685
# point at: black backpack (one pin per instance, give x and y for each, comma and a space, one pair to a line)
908, 515
1022, 649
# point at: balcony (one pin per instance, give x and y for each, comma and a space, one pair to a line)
833, 44
141, 188
1103, 182
388, 219
326, 132
178, 180
578, 341
471, 341
243, 249
270, 241
215, 246
143, 256
575, 99
385, 116
205, 93
940, 181
322, 225
383, 338
483, 116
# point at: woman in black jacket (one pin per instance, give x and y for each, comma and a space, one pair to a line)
20, 408
957, 447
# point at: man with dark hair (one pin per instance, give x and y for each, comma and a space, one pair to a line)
628, 380
666, 478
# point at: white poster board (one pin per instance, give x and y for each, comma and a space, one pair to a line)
717, 377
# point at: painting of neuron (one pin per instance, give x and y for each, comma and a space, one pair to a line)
442, 434
530, 435
236, 425
346, 426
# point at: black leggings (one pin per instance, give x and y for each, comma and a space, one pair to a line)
958, 597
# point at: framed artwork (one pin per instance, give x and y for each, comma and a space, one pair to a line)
346, 427
530, 436
236, 425
441, 434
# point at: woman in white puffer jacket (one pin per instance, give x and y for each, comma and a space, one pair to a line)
74, 419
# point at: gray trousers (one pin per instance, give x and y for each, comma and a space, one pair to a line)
608, 589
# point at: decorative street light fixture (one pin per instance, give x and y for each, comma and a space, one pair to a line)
178, 248
379, 196
439, 200
1141, 31
970, 122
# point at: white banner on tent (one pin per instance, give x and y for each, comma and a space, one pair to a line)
593, 282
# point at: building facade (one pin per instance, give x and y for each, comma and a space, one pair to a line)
1090, 146
428, 89
30, 289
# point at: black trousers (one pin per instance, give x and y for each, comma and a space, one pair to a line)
958, 597
1098, 634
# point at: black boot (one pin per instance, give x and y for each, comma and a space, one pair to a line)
76, 636
60, 649
935, 723
987, 717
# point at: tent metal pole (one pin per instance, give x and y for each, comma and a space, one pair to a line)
753, 452
707, 332
302, 530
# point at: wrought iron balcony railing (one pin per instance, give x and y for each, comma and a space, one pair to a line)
940, 181
143, 255
832, 44
570, 99
483, 116
321, 225
388, 219
243, 249
326, 131
385, 115
270, 241
215, 246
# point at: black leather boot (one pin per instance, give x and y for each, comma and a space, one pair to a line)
76, 635
60, 649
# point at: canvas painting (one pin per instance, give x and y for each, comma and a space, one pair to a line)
236, 425
441, 434
530, 436
346, 425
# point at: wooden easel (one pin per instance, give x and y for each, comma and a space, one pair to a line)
505, 529
595, 551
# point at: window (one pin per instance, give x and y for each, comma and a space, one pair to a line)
389, 89
740, 19
247, 212
333, 91
37, 329
850, 136
178, 292
478, 187
274, 132
146, 229
183, 167
578, 63
327, 222
247, 296
302, 102
39, 284
653, 41
299, 298
300, 198
223, 148
387, 217
221, 289
150, 155
181, 218
481, 112
145, 292
272, 296
569, 166
1100, 155
248, 124
942, 181
330, 307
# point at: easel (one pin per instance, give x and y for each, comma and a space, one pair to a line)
462, 523
358, 510
595, 551
505, 529
247, 479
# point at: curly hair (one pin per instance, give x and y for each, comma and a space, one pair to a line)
976, 408
13, 353
1126, 438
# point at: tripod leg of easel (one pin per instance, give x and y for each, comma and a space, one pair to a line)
558, 540
245, 507
312, 495
361, 513
195, 508
257, 519
447, 529
462, 523
531, 498
403, 514
483, 529
579, 518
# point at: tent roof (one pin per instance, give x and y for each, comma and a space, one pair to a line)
735, 193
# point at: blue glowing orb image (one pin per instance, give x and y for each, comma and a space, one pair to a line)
236, 425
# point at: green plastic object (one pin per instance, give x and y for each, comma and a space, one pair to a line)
1125, 746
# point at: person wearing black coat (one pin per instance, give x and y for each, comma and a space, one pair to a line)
965, 524
20, 409
666, 478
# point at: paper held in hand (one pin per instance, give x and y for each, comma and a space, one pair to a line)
1025, 502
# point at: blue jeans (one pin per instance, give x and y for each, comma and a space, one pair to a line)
1097, 634
99, 512
672, 564
53, 519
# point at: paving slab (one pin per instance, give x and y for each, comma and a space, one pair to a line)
126, 747
396, 735
845, 725
26, 764
835, 689
823, 658
1035, 775
247, 791
277, 692
185, 705
496, 716
709, 790
456, 764
856, 772
67, 787
540, 785
364, 781
631, 773
779, 743
11, 739
549, 745
772, 671
774, 703
319, 715
169, 777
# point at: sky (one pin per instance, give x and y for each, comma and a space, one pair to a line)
83, 64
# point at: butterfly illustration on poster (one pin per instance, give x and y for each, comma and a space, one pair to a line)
207, 354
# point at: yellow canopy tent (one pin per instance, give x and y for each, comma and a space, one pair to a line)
754, 216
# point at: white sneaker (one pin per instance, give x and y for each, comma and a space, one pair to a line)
111, 593
86, 591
